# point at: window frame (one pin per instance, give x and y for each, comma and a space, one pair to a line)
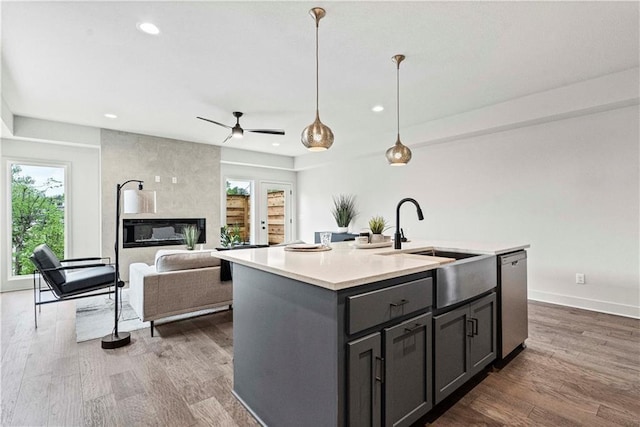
66, 166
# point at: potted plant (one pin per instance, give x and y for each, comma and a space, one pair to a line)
230, 236
344, 211
377, 225
191, 234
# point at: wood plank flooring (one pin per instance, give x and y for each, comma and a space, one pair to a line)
580, 368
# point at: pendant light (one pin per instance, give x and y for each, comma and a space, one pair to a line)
399, 154
317, 136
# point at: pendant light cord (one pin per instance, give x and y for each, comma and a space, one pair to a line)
317, 72
398, 98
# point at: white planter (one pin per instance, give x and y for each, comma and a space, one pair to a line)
377, 238
343, 229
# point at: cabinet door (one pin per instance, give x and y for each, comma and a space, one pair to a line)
364, 381
482, 348
451, 341
408, 381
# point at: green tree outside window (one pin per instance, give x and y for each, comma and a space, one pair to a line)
37, 215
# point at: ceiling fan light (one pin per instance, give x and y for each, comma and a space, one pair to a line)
237, 132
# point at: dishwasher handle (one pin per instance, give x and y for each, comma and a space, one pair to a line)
512, 258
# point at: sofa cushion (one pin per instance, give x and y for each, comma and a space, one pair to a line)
172, 260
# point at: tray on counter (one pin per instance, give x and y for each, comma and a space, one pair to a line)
306, 247
372, 245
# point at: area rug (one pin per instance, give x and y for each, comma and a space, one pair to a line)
95, 317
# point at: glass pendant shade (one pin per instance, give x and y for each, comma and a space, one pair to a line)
317, 136
399, 154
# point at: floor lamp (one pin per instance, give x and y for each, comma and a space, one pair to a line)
135, 201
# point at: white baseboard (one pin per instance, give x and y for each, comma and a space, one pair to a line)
586, 304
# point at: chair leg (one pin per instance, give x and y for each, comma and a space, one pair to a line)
35, 311
152, 328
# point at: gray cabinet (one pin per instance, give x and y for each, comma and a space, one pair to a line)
389, 371
403, 375
365, 381
464, 342
408, 378
483, 342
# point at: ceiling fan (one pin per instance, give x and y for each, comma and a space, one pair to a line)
237, 131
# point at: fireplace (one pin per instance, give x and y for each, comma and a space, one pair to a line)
138, 233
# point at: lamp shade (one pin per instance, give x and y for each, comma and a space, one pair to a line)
139, 201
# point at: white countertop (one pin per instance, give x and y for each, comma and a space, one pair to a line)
346, 266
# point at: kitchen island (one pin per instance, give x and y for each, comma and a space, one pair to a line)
345, 337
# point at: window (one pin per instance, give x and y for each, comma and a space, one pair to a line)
37, 213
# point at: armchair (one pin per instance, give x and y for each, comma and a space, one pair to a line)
68, 282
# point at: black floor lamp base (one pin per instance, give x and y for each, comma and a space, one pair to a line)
116, 341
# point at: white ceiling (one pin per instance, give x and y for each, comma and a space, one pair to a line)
75, 61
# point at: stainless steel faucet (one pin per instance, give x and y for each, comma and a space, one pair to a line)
397, 238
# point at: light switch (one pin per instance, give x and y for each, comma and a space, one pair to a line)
174, 180
157, 178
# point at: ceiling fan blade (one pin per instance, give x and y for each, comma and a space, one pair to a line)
214, 122
268, 131
227, 138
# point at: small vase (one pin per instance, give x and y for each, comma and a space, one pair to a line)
343, 229
377, 238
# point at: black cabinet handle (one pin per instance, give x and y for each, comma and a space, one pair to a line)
414, 327
470, 329
399, 303
475, 325
379, 370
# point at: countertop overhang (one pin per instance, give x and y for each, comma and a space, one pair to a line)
346, 266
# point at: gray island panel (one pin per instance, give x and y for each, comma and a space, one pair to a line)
286, 356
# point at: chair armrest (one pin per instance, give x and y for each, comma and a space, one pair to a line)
74, 267
87, 259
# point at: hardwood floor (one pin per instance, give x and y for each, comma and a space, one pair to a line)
580, 368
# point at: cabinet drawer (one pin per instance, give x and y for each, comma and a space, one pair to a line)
376, 307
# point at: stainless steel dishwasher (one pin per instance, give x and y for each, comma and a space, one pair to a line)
514, 323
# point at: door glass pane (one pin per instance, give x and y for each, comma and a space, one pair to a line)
37, 213
275, 216
238, 215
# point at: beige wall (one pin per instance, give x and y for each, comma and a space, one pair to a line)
195, 195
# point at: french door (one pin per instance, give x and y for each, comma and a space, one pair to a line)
276, 219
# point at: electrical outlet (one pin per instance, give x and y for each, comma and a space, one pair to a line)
157, 178
174, 180
580, 278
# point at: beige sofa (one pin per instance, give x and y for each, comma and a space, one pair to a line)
179, 282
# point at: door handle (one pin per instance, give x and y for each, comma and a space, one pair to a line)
379, 370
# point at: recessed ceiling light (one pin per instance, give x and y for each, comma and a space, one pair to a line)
110, 116
275, 144
377, 108
148, 27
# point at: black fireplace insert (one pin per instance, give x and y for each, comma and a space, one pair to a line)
137, 233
